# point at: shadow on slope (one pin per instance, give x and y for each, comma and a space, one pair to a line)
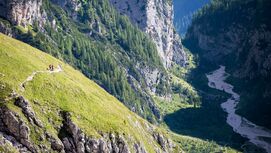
207, 122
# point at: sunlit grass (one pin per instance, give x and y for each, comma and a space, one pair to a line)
91, 107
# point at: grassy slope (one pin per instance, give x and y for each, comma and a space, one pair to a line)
92, 108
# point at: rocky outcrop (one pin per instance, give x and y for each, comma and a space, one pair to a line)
155, 17
153, 77
75, 140
148, 100
166, 144
15, 132
10, 144
14, 126
27, 110
22, 12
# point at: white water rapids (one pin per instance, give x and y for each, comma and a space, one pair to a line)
239, 124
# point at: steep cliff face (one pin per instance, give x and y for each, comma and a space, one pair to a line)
237, 34
22, 12
155, 17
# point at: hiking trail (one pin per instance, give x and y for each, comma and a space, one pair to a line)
31, 77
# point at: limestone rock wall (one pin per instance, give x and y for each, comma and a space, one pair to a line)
155, 17
22, 12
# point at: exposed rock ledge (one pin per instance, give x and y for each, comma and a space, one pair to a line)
16, 131
76, 141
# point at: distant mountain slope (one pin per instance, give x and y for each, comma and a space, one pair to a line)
64, 110
237, 33
183, 13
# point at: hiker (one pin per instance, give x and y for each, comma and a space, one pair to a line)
50, 67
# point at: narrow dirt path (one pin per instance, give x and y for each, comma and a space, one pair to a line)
31, 77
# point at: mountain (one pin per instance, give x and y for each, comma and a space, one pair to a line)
61, 110
103, 44
184, 11
98, 66
155, 17
55, 110
236, 34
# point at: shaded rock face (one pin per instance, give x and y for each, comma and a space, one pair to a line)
242, 44
155, 17
218, 46
22, 12
250, 49
244, 41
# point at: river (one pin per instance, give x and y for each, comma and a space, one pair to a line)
241, 125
